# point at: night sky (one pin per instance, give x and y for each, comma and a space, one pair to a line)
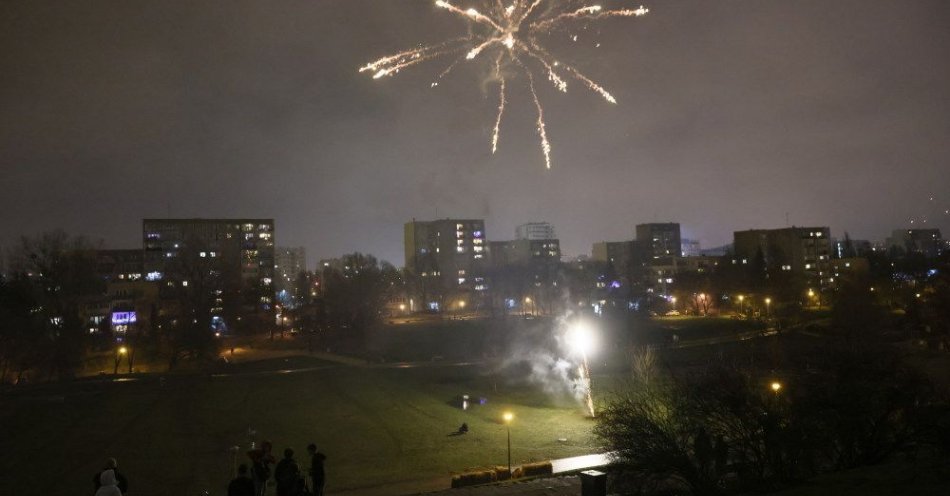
731, 114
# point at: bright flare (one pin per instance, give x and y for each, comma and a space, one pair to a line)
513, 31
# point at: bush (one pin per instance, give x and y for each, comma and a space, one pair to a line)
473, 478
537, 469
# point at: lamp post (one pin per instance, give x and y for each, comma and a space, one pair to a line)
768, 308
508, 416
118, 357
741, 299
527, 301
673, 302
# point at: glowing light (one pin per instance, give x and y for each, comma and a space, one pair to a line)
513, 31
776, 386
508, 417
123, 350
580, 337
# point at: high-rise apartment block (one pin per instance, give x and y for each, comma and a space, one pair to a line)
805, 250
535, 231
927, 242
239, 252
450, 252
289, 263
659, 239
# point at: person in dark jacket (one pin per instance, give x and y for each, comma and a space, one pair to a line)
287, 474
112, 464
242, 485
261, 460
317, 472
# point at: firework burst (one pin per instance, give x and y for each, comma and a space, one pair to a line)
511, 30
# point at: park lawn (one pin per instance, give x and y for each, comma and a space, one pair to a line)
692, 327
377, 426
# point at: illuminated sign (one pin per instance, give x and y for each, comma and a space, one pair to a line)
123, 318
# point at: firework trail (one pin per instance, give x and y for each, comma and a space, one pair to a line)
501, 104
542, 133
512, 30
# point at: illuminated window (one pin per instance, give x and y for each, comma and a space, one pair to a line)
460, 249
461, 280
807, 266
203, 254
461, 272
478, 249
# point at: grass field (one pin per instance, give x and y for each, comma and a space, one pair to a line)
377, 426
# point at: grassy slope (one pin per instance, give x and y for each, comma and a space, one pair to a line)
377, 426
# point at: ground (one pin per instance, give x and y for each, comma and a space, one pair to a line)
384, 419
378, 426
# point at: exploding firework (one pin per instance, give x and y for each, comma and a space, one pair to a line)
512, 31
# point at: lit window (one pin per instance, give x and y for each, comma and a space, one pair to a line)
461, 272
460, 249
203, 254
478, 249
461, 280
478, 255
807, 266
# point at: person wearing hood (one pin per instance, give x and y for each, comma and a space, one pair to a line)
108, 484
112, 464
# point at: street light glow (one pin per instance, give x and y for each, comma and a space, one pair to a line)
508, 417
123, 350
776, 386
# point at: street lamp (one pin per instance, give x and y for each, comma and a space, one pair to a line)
741, 299
702, 300
122, 350
527, 301
508, 417
776, 386
580, 338
768, 308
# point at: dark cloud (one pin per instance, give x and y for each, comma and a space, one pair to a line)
732, 114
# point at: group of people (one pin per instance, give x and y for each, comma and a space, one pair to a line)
290, 479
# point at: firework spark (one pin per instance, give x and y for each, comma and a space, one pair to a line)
513, 32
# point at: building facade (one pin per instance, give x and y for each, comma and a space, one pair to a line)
238, 253
659, 239
289, 262
449, 255
801, 250
535, 231
926, 242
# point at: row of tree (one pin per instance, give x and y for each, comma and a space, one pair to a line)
734, 430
